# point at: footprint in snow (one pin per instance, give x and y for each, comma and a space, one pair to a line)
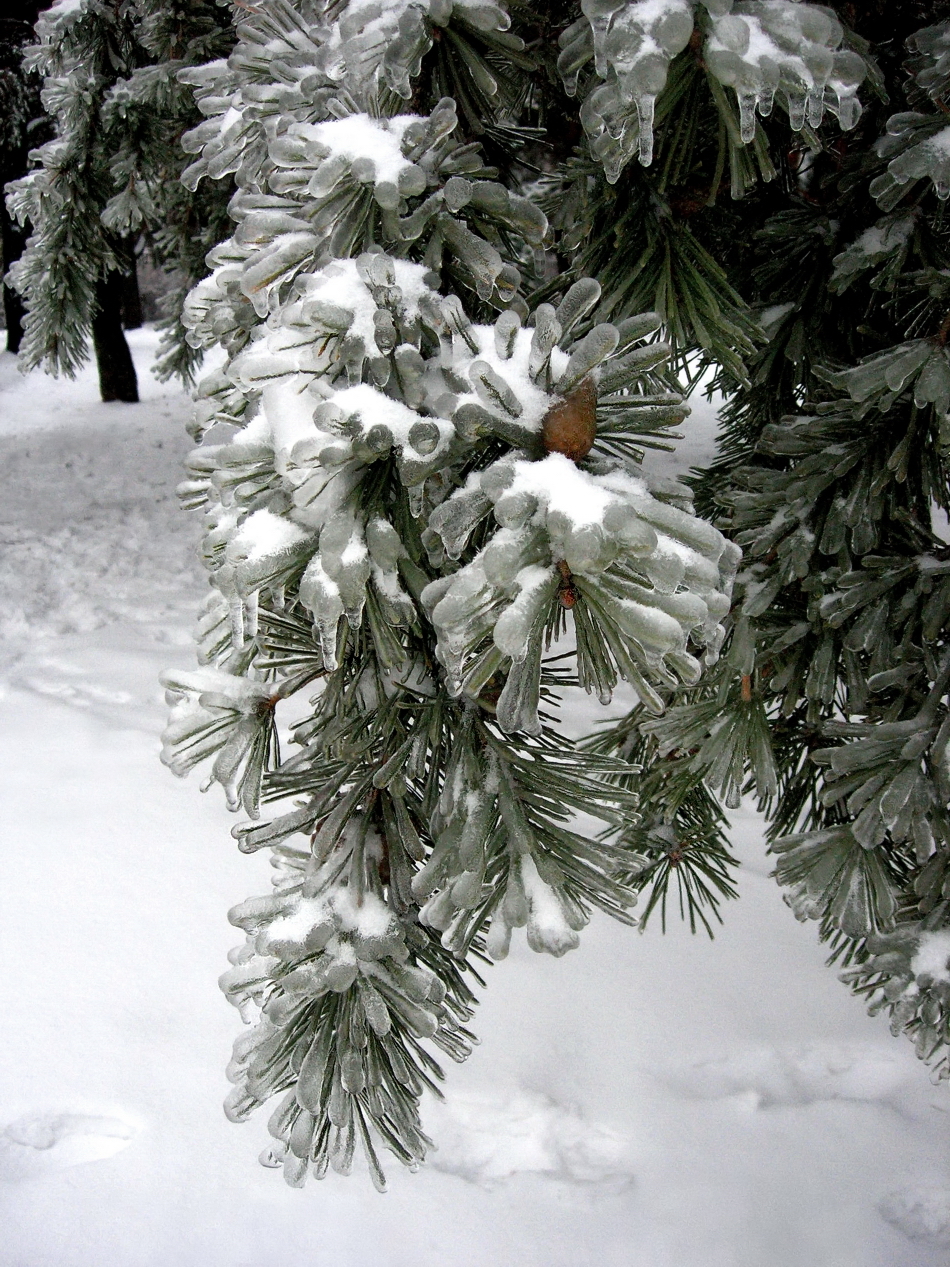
40, 1143
767, 1077
489, 1139
922, 1214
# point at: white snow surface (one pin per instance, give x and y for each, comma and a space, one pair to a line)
339, 283
933, 956
359, 136
647, 1101
560, 485
264, 534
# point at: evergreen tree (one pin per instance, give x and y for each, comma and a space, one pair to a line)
830, 704
461, 232
20, 126
108, 183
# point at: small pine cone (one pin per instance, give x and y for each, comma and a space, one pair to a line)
567, 594
569, 426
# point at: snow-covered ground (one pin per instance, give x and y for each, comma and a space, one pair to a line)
648, 1101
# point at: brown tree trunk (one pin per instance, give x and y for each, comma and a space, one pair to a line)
117, 379
132, 318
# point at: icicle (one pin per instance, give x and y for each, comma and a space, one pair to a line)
614, 164
796, 108
645, 105
575, 53
599, 13
237, 622
849, 111
747, 104
792, 44
251, 611
416, 494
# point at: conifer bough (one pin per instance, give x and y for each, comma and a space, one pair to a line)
411, 487
419, 467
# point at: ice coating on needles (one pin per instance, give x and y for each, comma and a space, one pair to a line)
759, 48
388, 393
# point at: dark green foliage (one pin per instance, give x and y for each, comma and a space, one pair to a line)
413, 483
22, 125
107, 185
833, 478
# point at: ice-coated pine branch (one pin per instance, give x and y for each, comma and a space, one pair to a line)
762, 49
414, 482
830, 700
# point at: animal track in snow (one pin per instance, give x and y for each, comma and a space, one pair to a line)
489, 1139
770, 1077
38, 1144
922, 1214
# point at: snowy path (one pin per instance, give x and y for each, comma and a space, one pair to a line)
645, 1102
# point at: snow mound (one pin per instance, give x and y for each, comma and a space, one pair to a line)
35, 1145
922, 1214
91, 532
770, 1077
91, 574
487, 1140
